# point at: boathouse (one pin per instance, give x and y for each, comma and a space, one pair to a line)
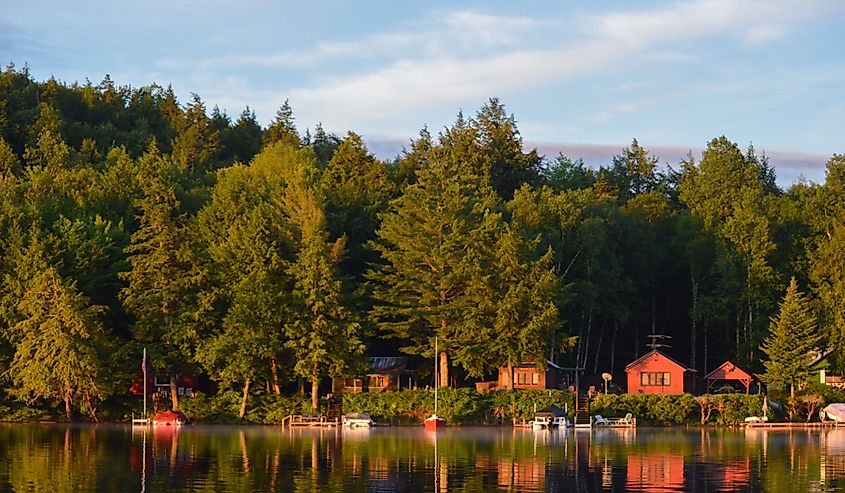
725, 376
656, 373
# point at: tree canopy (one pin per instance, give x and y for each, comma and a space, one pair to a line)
266, 257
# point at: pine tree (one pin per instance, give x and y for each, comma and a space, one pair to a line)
283, 128
791, 342
435, 245
325, 337
62, 344
162, 281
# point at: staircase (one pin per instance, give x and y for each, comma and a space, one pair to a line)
582, 410
335, 409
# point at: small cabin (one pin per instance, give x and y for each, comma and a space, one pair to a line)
186, 385
384, 373
723, 379
656, 373
529, 375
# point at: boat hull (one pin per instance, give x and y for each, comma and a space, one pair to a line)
434, 422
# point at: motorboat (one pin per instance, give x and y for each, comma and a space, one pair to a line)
357, 420
833, 412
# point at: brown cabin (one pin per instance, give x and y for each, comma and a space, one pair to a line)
656, 373
384, 374
186, 385
529, 375
722, 378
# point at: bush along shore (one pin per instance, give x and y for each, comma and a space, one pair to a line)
465, 406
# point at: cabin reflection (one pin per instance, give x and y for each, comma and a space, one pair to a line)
523, 474
655, 472
832, 463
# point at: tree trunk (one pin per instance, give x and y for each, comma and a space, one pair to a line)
613, 346
510, 375
444, 369
315, 393
174, 393
598, 344
243, 401
68, 401
694, 317
275, 368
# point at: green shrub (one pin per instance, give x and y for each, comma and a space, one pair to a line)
463, 405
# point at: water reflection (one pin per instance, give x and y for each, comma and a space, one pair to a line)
205, 458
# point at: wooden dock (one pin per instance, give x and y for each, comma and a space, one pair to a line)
792, 425
299, 420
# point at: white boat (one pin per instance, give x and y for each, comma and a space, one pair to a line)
357, 420
833, 412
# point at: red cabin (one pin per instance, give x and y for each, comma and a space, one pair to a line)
656, 373
725, 375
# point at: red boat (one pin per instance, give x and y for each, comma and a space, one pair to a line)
169, 418
434, 422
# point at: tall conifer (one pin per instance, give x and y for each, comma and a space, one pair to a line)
792, 340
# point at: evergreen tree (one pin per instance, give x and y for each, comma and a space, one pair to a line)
325, 338
356, 189
826, 255
792, 340
282, 128
434, 242
162, 281
62, 346
500, 146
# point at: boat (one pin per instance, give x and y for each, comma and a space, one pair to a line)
357, 420
169, 418
833, 412
434, 421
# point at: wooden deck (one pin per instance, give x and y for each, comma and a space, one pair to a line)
770, 425
299, 420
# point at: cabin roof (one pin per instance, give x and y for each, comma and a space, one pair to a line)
728, 371
387, 365
655, 351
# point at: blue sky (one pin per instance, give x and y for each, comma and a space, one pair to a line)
583, 78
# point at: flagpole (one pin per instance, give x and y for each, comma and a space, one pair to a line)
144, 365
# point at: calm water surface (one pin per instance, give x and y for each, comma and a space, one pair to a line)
221, 458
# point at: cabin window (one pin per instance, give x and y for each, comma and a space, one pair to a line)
378, 381
523, 378
655, 379
535, 378
353, 383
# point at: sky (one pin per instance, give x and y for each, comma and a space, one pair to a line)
581, 78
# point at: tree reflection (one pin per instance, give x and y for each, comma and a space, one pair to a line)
240, 459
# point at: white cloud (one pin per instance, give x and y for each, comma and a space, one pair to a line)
761, 35
418, 81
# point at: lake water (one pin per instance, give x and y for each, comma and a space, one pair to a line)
251, 459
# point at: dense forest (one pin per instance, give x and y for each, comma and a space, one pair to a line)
265, 256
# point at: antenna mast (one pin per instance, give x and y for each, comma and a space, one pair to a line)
657, 341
